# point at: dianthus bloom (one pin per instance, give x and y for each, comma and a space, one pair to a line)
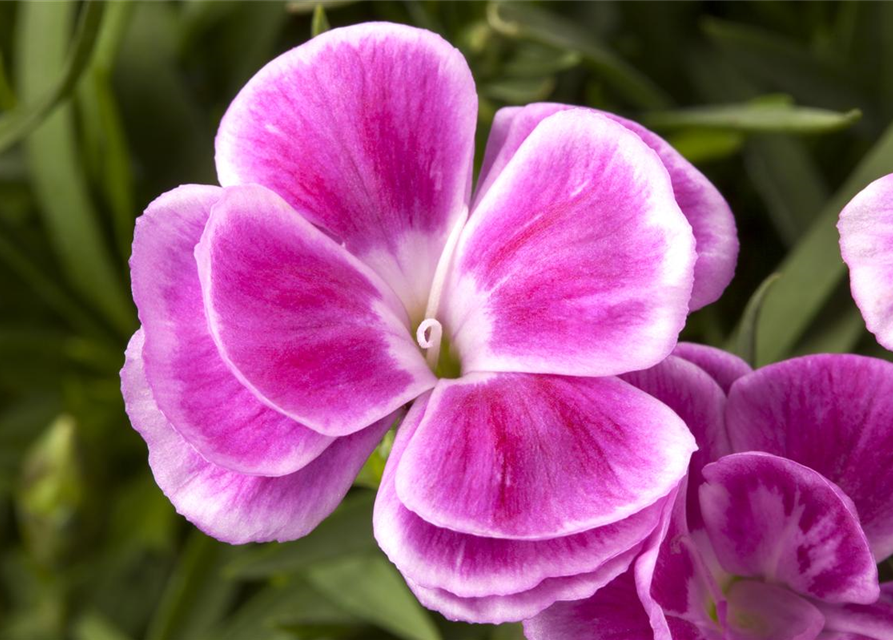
343, 271
787, 513
866, 242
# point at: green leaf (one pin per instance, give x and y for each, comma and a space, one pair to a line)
754, 118
291, 603
745, 341
93, 626
56, 169
705, 145
348, 530
814, 268
370, 588
320, 22
16, 125
196, 596
789, 182
526, 21
519, 91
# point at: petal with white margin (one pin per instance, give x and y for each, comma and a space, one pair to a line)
866, 243
772, 518
577, 261
229, 506
368, 131
301, 322
533, 457
191, 383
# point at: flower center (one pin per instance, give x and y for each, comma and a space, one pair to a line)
441, 359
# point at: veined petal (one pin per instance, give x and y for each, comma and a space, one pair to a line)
192, 385
760, 611
832, 413
577, 261
368, 131
866, 243
472, 566
520, 606
700, 402
229, 506
301, 322
869, 621
532, 457
771, 518
708, 213
722, 366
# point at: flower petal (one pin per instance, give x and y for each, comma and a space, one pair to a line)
192, 385
772, 518
700, 402
866, 243
708, 213
368, 131
613, 613
577, 261
520, 606
472, 566
722, 366
531, 457
834, 414
871, 621
229, 506
760, 611
302, 323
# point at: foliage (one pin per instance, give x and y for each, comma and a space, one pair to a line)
106, 106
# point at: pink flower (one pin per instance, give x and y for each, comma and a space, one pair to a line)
344, 270
783, 522
866, 242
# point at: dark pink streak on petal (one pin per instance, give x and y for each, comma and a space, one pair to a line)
302, 323
834, 414
774, 519
368, 131
229, 506
192, 384
531, 457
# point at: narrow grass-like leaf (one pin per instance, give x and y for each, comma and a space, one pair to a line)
745, 338
705, 145
788, 181
814, 267
196, 596
320, 22
57, 172
370, 588
93, 626
754, 118
34, 108
526, 21
348, 530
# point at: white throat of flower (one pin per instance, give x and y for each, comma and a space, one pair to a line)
430, 331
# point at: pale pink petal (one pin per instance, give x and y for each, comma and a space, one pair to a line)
532, 457
834, 414
368, 131
229, 506
301, 322
774, 519
520, 606
871, 621
723, 366
577, 260
700, 402
866, 243
472, 566
760, 611
706, 210
192, 385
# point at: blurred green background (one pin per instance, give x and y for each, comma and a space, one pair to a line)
103, 107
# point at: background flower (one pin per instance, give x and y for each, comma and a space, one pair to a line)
787, 531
